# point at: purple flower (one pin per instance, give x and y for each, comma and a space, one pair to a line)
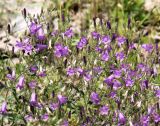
148, 47
144, 120
20, 83
82, 43
53, 106
98, 69
87, 77
95, 98
71, 71
60, 50
109, 80
116, 84
11, 76
33, 100
68, 33
117, 73
4, 107
54, 33
105, 56
62, 99
98, 49
42, 74
120, 56
28, 117
45, 117
144, 84
129, 82
106, 39
40, 34
156, 117
34, 28
41, 47
121, 40
157, 92
25, 45
32, 84
104, 110
33, 68
64, 123
121, 119
95, 35
113, 94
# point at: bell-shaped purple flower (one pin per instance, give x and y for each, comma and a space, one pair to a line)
40, 34
95, 35
106, 39
71, 71
60, 50
68, 33
33, 27
4, 107
53, 106
32, 84
41, 47
121, 119
11, 76
29, 118
105, 56
104, 110
45, 117
120, 56
157, 92
144, 120
33, 99
82, 43
148, 47
33, 68
120, 40
20, 83
129, 82
62, 99
95, 98
116, 84
98, 69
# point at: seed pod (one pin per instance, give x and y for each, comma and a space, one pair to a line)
69, 114
84, 60
129, 22
9, 28
108, 25
24, 13
65, 63
94, 21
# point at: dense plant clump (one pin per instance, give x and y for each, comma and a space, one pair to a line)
104, 77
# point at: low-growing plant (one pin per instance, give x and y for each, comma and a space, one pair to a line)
106, 77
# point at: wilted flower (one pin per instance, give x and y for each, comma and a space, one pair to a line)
60, 50
95, 98
4, 107
64, 123
54, 33
20, 83
68, 33
42, 74
104, 110
28, 117
62, 99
